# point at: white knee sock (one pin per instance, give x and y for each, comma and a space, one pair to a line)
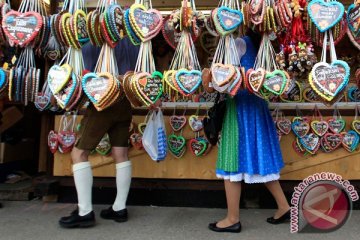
123, 180
83, 182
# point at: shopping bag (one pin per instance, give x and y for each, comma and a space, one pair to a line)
154, 138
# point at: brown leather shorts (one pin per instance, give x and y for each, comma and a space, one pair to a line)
114, 120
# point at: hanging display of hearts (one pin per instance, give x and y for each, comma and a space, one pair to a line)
266, 77
225, 72
184, 74
64, 139
328, 80
353, 22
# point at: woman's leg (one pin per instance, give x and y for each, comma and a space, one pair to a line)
233, 192
277, 192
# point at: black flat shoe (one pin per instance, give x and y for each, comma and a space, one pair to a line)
117, 216
284, 218
236, 228
77, 221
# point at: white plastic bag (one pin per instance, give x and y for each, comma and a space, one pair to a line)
154, 138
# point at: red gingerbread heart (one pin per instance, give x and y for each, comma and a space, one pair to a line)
66, 139
53, 141
22, 28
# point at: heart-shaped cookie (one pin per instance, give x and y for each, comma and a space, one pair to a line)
356, 126
209, 24
22, 28
256, 78
207, 80
136, 141
97, 86
53, 141
329, 79
300, 128
325, 15
66, 139
336, 125
177, 122
350, 140
150, 87
195, 123
146, 23
104, 146
176, 143
310, 95
197, 147
319, 127
141, 128
188, 81
58, 77
284, 125
294, 94
311, 142
333, 140
298, 148
64, 96
230, 19
275, 82
354, 94
222, 73
42, 101
352, 19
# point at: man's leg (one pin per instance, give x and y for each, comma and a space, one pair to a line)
83, 178
118, 211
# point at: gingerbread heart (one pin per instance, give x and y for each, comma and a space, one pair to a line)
97, 86
310, 95
141, 128
195, 123
177, 122
298, 149
356, 126
188, 81
333, 140
197, 147
58, 77
275, 82
206, 80
150, 87
230, 19
136, 141
64, 96
329, 79
222, 73
294, 94
354, 94
176, 143
311, 142
325, 15
104, 146
336, 125
353, 18
284, 125
22, 28
350, 140
325, 146
66, 138
53, 141
319, 127
146, 23
42, 101
256, 78
300, 128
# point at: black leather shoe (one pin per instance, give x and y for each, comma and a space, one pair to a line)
117, 216
77, 221
236, 228
284, 218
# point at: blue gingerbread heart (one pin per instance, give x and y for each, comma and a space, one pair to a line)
352, 16
229, 18
188, 81
2, 78
325, 15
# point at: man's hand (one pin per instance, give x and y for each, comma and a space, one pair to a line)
156, 105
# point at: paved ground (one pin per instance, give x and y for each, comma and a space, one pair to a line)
36, 221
